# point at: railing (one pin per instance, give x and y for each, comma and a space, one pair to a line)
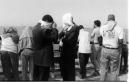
56, 61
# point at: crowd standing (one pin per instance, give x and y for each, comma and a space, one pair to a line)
104, 47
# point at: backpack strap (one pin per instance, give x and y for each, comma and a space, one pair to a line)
112, 27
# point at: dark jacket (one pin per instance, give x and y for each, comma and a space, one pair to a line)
69, 48
43, 39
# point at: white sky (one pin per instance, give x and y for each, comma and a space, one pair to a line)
29, 12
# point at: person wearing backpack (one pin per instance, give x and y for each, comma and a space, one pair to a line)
112, 35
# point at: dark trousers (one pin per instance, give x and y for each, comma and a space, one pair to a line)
41, 73
124, 58
83, 60
9, 61
67, 66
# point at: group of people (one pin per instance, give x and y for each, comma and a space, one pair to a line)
35, 48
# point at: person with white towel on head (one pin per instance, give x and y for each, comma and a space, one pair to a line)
69, 37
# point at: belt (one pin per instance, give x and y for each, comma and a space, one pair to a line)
96, 43
109, 47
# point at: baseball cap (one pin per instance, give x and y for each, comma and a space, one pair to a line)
111, 17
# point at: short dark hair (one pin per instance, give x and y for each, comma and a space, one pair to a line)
97, 23
81, 27
47, 18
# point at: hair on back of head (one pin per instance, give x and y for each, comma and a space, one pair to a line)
97, 23
47, 18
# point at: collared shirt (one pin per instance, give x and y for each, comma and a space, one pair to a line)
84, 42
110, 38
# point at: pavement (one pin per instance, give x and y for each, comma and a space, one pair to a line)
56, 76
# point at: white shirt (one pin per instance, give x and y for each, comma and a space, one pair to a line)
84, 42
95, 34
8, 45
110, 38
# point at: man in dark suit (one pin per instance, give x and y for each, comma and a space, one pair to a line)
43, 35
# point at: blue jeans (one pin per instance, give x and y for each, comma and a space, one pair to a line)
109, 64
9, 61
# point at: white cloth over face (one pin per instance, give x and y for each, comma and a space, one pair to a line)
44, 23
67, 21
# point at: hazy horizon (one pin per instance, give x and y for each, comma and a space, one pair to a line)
29, 12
